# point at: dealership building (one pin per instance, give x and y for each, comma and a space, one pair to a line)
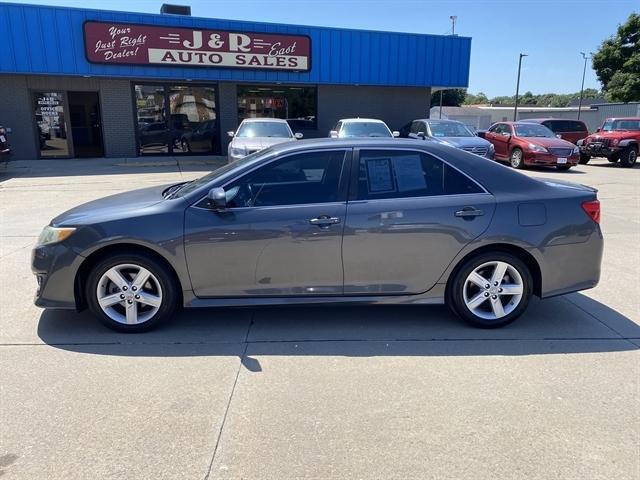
92, 83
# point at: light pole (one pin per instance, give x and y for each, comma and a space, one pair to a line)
453, 19
515, 110
584, 71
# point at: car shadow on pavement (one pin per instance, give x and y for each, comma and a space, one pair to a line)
554, 326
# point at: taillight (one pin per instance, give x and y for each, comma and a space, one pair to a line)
592, 208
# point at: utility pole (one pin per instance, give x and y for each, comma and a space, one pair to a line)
515, 110
453, 19
584, 71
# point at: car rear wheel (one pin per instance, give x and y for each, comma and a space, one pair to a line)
516, 159
584, 158
491, 290
131, 292
629, 157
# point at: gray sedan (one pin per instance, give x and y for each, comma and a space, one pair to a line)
326, 221
448, 132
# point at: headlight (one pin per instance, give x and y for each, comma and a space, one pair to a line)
238, 152
615, 141
492, 148
53, 235
576, 150
537, 148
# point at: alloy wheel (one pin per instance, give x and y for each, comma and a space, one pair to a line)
129, 294
516, 158
493, 290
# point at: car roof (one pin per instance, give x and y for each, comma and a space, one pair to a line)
623, 118
274, 120
437, 120
369, 120
540, 120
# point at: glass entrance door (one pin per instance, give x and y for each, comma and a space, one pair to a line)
177, 119
51, 124
86, 124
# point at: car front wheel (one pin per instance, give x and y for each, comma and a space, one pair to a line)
629, 157
584, 158
516, 159
131, 292
491, 290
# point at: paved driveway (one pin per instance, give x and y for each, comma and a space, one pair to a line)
326, 392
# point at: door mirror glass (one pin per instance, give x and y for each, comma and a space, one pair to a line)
217, 197
558, 136
298, 135
333, 134
506, 134
231, 134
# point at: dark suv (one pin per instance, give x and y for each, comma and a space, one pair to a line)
617, 139
570, 130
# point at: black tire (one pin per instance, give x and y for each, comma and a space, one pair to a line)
612, 159
584, 158
516, 158
629, 157
563, 168
456, 286
167, 283
184, 145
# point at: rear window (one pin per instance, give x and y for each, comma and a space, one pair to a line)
560, 126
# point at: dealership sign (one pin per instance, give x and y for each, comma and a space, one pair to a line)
121, 43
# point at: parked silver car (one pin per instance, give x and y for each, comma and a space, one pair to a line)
326, 221
255, 134
448, 132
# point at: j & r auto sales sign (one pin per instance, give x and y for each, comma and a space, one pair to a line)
120, 43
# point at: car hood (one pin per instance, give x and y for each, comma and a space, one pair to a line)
258, 143
464, 142
127, 204
549, 142
615, 134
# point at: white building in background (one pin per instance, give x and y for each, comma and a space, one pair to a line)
482, 117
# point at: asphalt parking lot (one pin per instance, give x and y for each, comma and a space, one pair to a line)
316, 393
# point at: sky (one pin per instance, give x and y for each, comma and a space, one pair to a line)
551, 32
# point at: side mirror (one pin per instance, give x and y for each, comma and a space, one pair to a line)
505, 134
218, 197
298, 135
333, 134
558, 136
8, 129
597, 130
231, 134
420, 135
395, 133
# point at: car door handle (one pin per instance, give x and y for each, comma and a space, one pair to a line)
324, 221
469, 212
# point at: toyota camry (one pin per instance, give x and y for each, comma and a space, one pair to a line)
326, 221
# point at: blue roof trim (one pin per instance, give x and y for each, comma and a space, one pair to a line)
49, 40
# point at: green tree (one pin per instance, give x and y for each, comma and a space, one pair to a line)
617, 62
453, 97
478, 99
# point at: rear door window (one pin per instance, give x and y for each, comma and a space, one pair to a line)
384, 174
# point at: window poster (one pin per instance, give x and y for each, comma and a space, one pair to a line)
380, 177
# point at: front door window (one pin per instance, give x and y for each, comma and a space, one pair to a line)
51, 126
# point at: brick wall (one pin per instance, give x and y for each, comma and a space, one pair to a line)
15, 113
227, 112
118, 125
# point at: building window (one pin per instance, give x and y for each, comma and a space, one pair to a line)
50, 117
176, 119
297, 105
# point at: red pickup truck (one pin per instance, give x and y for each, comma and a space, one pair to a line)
617, 139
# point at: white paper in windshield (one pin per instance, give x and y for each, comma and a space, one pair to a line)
379, 172
409, 174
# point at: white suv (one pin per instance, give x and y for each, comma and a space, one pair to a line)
361, 127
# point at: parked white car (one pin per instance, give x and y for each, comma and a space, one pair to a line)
255, 134
361, 127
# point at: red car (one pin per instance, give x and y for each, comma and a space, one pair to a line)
617, 139
569, 130
523, 144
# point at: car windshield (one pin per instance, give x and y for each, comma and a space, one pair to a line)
532, 130
449, 129
611, 125
263, 129
196, 184
364, 129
